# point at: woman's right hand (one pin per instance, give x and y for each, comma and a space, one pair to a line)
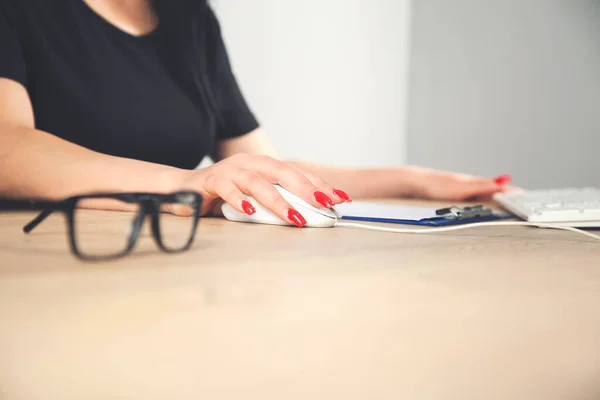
235, 178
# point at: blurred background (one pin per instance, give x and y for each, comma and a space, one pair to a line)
467, 85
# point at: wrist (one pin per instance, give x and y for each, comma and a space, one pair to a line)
412, 182
171, 180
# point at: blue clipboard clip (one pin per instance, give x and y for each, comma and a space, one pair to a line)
457, 213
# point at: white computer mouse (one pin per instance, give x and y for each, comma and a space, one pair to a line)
315, 217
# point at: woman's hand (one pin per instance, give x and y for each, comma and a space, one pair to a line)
237, 177
409, 182
442, 185
373, 183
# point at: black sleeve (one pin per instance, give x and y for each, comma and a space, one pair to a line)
236, 117
12, 62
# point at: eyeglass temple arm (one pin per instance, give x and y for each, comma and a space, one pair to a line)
38, 220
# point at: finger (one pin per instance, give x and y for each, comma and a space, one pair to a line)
503, 180
512, 189
179, 210
337, 195
222, 186
291, 179
479, 188
265, 193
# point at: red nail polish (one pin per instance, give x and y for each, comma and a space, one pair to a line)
248, 208
323, 199
342, 195
296, 218
503, 180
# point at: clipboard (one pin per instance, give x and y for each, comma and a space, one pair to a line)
425, 216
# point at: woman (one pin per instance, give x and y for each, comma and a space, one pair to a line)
130, 95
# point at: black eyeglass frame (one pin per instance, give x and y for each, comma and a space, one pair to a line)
149, 205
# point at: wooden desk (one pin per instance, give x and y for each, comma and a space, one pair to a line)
264, 312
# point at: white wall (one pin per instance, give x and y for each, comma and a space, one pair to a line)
326, 78
518, 80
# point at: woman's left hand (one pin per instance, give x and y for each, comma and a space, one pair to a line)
443, 185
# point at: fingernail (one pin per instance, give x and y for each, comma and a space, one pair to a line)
323, 199
248, 208
502, 180
342, 195
296, 218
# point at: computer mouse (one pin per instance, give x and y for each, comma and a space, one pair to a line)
315, 217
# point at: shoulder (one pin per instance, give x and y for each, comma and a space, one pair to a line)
209, 19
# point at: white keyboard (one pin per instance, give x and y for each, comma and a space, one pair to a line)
579, 207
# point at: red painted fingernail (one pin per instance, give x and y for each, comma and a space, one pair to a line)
296, 218
503, 180
248, 208
342, 195
323, 199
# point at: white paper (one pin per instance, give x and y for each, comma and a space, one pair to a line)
385, 211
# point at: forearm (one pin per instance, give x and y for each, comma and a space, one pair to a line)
358, 183
35, 164
369, 183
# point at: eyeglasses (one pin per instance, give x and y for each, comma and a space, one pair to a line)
102, 235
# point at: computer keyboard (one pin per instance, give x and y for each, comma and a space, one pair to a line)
577, 207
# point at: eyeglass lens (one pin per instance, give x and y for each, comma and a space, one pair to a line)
101, 233
177, 230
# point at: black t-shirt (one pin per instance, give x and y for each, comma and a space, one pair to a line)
100, 87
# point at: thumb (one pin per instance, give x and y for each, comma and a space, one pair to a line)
213, 208
179, 210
